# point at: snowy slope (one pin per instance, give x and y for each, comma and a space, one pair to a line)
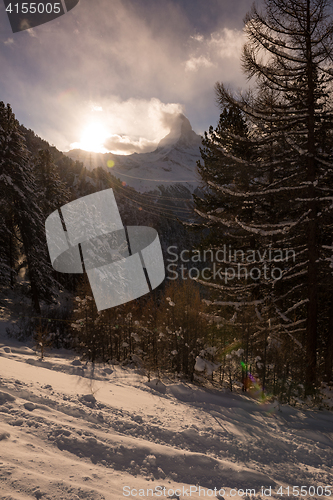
173, 162
72, 431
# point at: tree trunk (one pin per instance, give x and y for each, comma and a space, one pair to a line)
33, 284
311, 338
329, 347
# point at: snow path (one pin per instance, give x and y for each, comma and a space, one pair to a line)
70, 432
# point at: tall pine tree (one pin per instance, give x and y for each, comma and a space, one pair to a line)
52, 191
22, 220
288, 200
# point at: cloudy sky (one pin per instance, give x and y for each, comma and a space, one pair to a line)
116, 72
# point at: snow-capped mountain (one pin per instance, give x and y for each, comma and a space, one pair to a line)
172, 164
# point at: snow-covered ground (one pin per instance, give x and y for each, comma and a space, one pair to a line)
72, 431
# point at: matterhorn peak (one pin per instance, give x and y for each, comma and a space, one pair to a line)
181, 134
172, 165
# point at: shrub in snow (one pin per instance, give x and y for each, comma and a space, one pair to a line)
88, 400
5, 397
76, 362
203, 365
4, 435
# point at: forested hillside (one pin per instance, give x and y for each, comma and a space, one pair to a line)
37, 179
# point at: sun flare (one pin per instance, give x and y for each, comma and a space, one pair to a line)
93, 138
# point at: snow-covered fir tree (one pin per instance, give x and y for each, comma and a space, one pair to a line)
52, 191
285, 199
22, 219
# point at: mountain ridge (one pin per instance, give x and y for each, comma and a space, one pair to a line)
172, 162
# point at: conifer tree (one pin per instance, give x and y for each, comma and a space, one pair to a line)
52, 191
288, 112
19, 207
